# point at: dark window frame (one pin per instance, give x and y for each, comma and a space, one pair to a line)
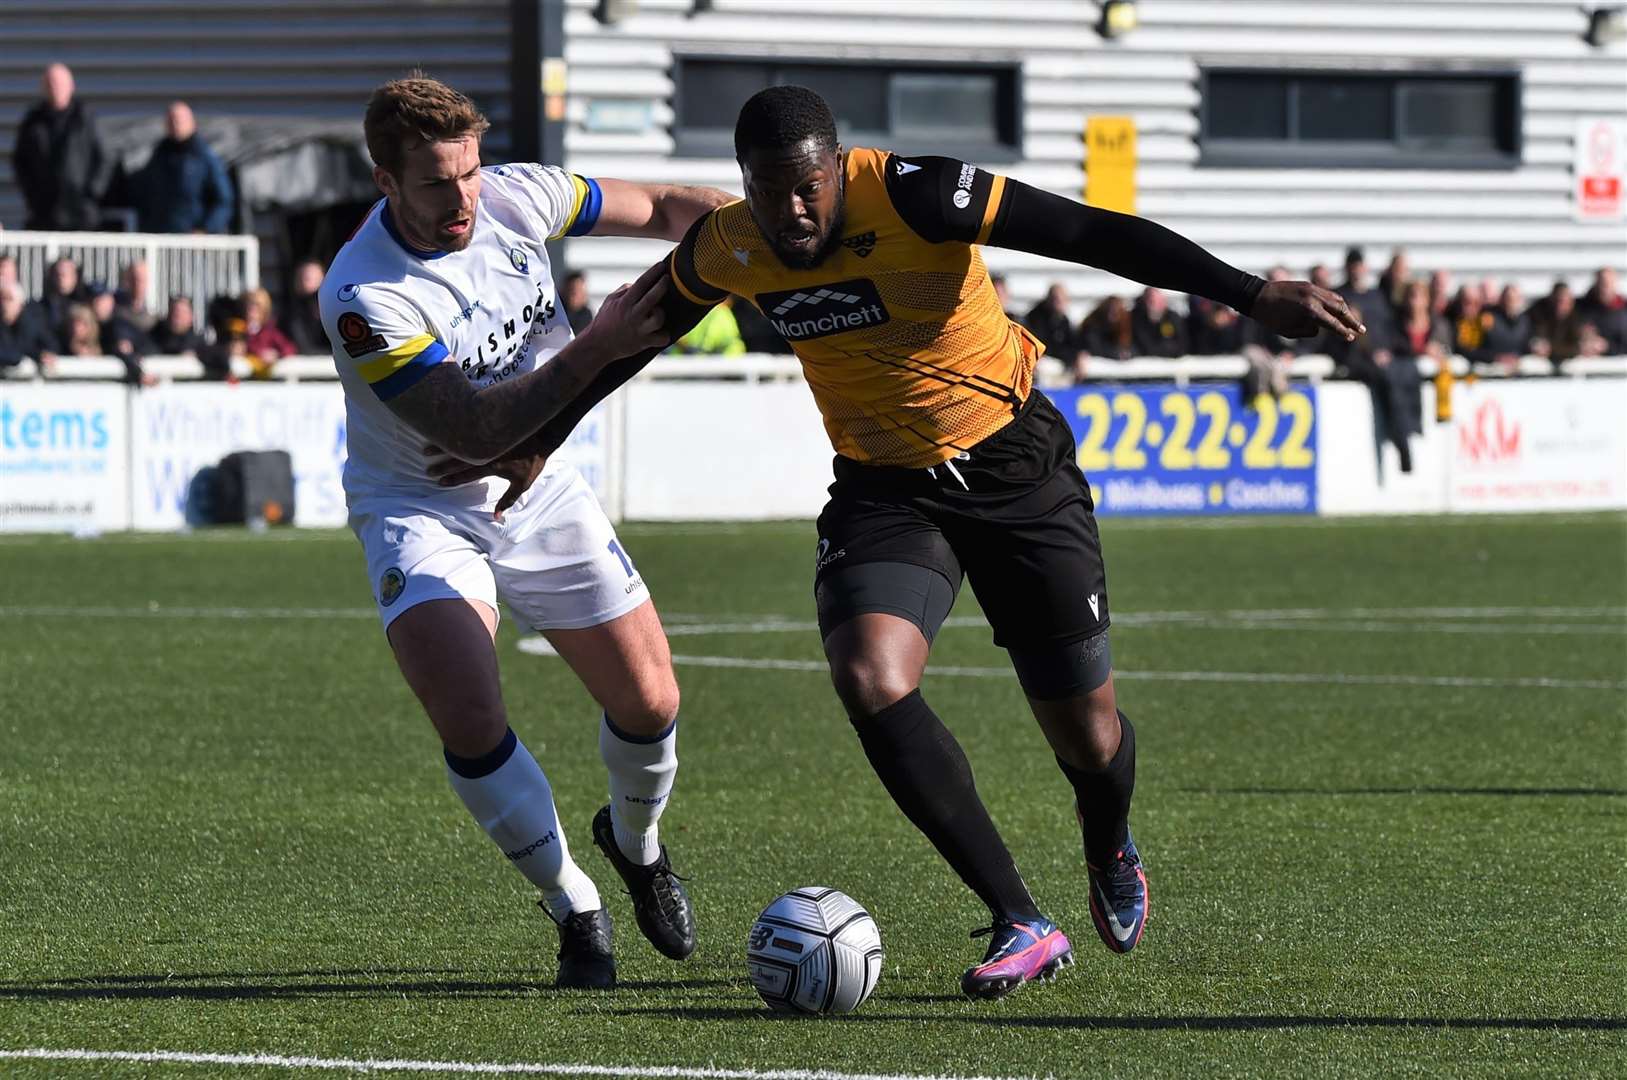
700, 142
1394, 153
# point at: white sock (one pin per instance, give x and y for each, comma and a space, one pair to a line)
509, 796
641, 773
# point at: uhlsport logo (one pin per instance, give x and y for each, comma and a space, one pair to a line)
801, 314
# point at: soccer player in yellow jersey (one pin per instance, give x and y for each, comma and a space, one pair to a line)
948, 466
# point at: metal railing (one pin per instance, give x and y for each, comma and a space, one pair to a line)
758, 368
197, 267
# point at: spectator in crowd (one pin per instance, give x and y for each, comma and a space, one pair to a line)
264, 339
1420, 332
8, 271
1002, 292
118, 336
177, 334
1048, 321
573, 293
1108, 331
1393, 282
134, 282
228, 321
83, 334
1471, 326
1216, 329
1270, 357
63, 289
304, 319
758, 333
717, 334
1320, 276
1509, 336
25, 330
1440, 294
1605, 309
183, 188
1557, 329
1155, 329
57, 158
1371, 359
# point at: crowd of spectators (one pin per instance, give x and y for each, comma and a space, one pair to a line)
73, 318
69, 184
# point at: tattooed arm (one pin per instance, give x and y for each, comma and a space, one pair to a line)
481, 425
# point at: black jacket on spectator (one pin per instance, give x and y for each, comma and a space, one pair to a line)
1609, 321
1275, 344
1376, 314
579, 317
1562, 333
1509, 335
1407, 343
55, 306
58, 163
30, 336
1054, 331
183, 188
1164, 337
1209, 338
303, 324
168, 343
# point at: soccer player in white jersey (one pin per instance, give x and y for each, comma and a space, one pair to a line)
447, 335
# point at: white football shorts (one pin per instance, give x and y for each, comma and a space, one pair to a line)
554, 558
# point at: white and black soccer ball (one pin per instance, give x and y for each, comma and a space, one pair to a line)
814, 950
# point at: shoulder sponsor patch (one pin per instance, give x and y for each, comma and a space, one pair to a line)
357, 335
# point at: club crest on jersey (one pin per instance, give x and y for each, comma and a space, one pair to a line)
861, 245
517, 257
391, 586
837, 308
347, 293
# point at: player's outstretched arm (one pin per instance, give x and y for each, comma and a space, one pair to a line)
1041, 223
653, 211
480, 425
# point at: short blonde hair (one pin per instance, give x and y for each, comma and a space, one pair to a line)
407, 113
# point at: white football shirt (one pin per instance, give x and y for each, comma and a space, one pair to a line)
392, 313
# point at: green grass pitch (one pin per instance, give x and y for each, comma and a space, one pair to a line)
1382, 798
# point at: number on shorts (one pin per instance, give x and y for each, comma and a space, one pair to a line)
626, 563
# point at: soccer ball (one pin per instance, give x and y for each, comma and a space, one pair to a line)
814, 950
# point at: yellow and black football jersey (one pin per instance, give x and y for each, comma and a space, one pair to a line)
910, 358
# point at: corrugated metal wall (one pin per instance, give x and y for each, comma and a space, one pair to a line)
300, 58
1503, 223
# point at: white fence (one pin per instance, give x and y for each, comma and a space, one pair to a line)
197, 267
96, 456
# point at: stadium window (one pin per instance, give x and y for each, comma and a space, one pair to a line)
966, 110
1439, 120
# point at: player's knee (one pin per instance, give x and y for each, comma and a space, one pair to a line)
867, 685
649, 705
470, 732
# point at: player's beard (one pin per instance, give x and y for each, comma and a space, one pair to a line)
833, 239
430, 232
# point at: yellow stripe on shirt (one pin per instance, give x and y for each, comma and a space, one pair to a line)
387, 363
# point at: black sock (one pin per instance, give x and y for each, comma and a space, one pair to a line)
924, 770
1104, 798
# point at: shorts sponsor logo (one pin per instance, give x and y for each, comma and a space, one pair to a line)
391, 586
837, 308
357, 335
823, 557
347, 293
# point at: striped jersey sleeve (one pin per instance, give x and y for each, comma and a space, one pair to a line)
563, 203
381, 340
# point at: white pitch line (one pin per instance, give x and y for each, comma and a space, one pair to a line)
1186, 620
160, 611
1277, 677
481, 1068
